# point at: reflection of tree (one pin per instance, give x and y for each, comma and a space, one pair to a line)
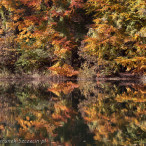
39, 114
115, 115
33, 115
71, 129
106, 113
76, 132
135, 95
37, 118
66, 88
7, 105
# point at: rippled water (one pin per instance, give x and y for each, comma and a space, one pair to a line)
73, 113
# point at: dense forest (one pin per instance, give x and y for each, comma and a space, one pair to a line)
69, 70
70, 37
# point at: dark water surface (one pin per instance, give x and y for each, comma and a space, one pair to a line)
67, 113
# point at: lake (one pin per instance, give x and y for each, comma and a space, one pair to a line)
74, 113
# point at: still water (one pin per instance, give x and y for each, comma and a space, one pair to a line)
72, 113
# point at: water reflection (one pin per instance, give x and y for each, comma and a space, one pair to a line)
83, 113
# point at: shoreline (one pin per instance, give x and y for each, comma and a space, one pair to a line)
51, 77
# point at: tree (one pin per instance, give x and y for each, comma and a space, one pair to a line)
117, 36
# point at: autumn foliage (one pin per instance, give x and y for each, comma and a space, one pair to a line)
64, 35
